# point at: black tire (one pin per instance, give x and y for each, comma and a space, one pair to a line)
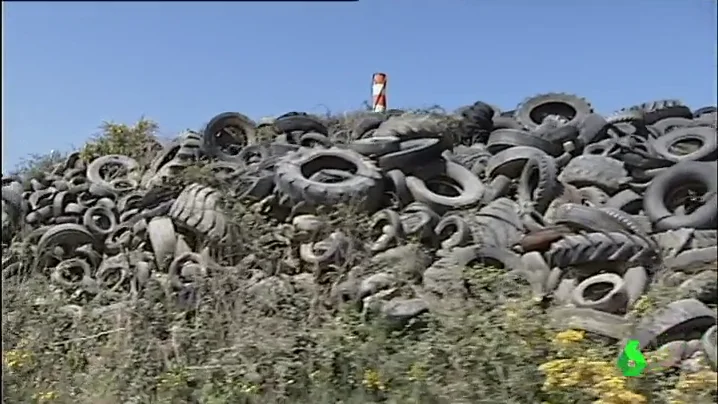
538, 183
471, 189
533, 110
681, 177
299, 123
376, 146
228, 129
366, 123
503, 139
479, 116
703, 111
656, 110
365, 186
410, 126
665, 126
198, 209
413, 153
557, 135
506, 122
663, 147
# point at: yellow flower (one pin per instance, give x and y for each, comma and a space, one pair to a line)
643, 305
705, 379
372, 380
569, 337
621, 397
45, 397
598, 378
250, 388
417, 372
16, 359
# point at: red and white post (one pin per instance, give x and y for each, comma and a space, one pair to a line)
378, 92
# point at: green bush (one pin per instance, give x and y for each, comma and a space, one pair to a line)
137, 141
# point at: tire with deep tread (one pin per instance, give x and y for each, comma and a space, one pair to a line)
245, 133
198, 209
654, 111
293, 174
530, 113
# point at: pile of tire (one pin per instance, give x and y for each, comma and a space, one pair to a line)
589, 210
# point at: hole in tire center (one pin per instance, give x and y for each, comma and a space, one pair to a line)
112, 170
597, 291
562, 109
321, 162
110, 277
444, 186
447, 231
533, 181
73, 274
228, 136
102, 221
252, 157
685, 146
687, 196
486, 262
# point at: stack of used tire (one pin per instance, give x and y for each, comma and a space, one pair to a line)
589, 210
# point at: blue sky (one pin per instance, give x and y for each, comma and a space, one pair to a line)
70, 66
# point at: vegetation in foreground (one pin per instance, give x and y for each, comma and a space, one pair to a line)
292, 345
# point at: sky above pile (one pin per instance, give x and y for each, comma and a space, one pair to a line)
67, 67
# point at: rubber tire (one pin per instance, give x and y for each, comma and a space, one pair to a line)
291, 178
299, 123
413, 153
547, 187
503, 139
707, 151
705, 217
197, 208
579, 105
223, 120
472, 189
376, 146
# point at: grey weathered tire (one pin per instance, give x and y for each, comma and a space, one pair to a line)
612, 301
538, 183
683, 177
627, 200
410, 126
376, 146
503, 139
367, 123
198, 209
245, 133
708, 344
598, 247
657, 110
293, 174
531, 112
510, 162
95, 176
472, 189
299, 123
412, 153
668, 323
663, 146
